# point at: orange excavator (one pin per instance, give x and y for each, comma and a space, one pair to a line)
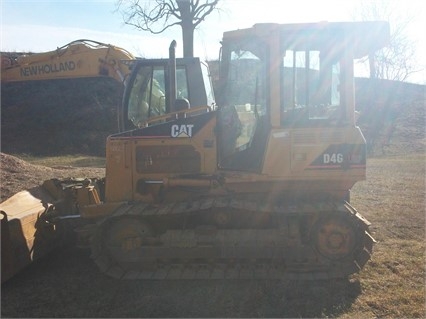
256, 187
77, 59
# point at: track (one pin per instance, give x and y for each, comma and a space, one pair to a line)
232, 239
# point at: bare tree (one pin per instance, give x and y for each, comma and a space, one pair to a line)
156, 16
396, 61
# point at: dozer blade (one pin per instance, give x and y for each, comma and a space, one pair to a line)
26, 233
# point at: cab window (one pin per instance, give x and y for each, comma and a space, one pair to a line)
310, 87
147, 97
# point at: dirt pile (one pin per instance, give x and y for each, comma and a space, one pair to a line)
393, 116
69, 116
17, 175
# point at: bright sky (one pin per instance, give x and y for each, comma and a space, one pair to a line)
44, 25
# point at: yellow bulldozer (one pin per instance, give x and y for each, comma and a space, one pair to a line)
256, 186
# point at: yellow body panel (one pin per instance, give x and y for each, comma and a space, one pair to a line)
134, 159
118, 170
290, 152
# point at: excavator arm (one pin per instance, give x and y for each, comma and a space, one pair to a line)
77, 59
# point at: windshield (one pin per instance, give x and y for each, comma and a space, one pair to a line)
245, 89
243, 110
147, 97
246, 80
208, 85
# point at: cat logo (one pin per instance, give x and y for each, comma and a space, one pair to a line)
184, 130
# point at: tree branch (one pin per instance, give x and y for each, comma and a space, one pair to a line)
156, 16
201, 11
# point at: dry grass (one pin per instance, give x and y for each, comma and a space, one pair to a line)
393, 199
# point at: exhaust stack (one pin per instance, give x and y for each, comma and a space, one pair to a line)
172, 75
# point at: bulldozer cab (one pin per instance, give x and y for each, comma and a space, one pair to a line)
293, 77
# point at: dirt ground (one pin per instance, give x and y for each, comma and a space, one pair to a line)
17, 175
68, 285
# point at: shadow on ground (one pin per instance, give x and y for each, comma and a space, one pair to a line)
67, 284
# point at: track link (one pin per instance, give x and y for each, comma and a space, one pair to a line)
206, 252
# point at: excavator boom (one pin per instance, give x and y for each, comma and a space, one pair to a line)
77, 59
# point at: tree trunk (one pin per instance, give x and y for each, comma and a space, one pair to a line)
188, 41
187, 28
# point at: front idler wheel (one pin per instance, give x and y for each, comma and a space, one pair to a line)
335, 237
